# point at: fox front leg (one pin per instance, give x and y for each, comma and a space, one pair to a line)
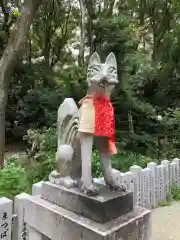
87, 185
109, 174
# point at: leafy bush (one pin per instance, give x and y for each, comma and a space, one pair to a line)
96, 167
13, 180
122, 161
175, 193
34, 110
40, 141
16, 177
36, 93
39, 170
42, 145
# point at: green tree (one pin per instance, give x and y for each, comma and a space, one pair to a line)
9, 60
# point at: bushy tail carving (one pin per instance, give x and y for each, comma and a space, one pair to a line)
68, 152
67, 121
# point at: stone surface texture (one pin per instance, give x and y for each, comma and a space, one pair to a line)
6, 207
102, 208
58, 223
76, 131
165, 222
19, 208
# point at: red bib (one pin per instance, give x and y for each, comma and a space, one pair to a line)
104, 120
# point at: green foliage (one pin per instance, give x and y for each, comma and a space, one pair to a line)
15, 13
17, 177
175, 193
124, 160
148, 68
37, 108
39, 170
40, 141
13, 180
145, 39
72, 81
31, 106
42, 145
96, 167
164, 204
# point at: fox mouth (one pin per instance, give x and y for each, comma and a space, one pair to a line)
104, 82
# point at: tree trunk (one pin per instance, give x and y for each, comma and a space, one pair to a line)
82, 45
9, 59
90, 29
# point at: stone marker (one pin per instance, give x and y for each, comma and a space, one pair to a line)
19, 209
36, 188
5, 218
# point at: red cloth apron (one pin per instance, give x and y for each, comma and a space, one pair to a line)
104, 119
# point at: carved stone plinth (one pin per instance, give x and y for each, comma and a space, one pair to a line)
58, 223
102, 208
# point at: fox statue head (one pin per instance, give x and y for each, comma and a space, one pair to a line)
102, 75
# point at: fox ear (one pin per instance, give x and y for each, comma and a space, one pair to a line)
111, 60
94, 59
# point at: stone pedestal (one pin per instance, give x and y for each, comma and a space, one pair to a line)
109, 216
102, 208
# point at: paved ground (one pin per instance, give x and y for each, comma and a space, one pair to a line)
166, 223
14, 149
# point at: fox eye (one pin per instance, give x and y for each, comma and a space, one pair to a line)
94, 68
112, 70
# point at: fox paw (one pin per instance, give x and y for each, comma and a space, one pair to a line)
90, 190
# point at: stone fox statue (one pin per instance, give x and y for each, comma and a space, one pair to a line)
78, 128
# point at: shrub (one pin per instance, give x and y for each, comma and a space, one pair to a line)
16, 177
39, 171
32, 110
123, 160
96, 167
175, 193
42, 149
40, 141
13, 180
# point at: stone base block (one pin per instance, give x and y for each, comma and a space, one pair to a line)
102, 208
58, 223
